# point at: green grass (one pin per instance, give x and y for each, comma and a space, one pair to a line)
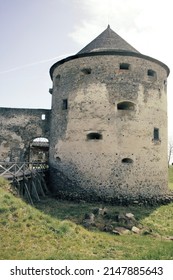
52, 230
170, 174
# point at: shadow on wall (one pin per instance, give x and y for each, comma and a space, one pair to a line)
70, 183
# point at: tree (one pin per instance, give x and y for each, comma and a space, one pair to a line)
170, 151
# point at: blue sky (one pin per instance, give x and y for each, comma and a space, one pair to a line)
37, 33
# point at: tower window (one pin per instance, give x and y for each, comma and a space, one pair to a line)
86, 71
124, 66
65, 104
126, 105
50, 90
151, 73
156, 134
94, 136
127, 160
57, 79
43, 117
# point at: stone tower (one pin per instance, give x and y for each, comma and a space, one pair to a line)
108, 134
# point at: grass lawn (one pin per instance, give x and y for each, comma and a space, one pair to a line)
52, 230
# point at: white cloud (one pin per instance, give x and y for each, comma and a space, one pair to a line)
142, 23
146, 25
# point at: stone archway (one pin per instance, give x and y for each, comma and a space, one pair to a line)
39, 150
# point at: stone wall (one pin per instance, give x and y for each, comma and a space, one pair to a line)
125, 108
18, 129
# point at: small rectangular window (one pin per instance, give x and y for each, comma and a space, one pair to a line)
124, 66
156, 134
94, 136
86, 71
151, 73
43, 117
65, 104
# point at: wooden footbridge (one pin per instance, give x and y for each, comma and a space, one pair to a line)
28, 178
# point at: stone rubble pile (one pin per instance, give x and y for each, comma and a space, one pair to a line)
118, 224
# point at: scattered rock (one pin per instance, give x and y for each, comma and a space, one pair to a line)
100, 211
135, 230
147, 231
129, 224
121, 217
120, 230
130, 216
103, 211
89, 220
90, 216
135, 202
169, 238
108, 228
116, 232
118, 224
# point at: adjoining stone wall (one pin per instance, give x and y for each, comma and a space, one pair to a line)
18, 129
126, 161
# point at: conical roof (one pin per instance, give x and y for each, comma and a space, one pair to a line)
107, 43
108, 40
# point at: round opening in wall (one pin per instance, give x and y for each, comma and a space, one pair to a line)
127, 160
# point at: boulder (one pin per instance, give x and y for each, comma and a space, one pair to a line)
130, 216
135, 230
120, 230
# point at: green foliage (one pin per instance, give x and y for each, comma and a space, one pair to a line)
51, 230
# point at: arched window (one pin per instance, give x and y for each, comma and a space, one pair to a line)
126, 105
41, 140
39, 150
94, 136
127, 160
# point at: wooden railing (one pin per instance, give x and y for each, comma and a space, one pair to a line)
27, 178
9, 169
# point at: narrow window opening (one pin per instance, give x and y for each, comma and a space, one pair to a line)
126, 105
43, 117
156, 133
151, 73
65, 104
86, 71
94, 136
50, 90
124, 66
127, 160
57, 79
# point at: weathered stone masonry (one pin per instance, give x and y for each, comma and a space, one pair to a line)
109, 108
107, 128
18, 129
